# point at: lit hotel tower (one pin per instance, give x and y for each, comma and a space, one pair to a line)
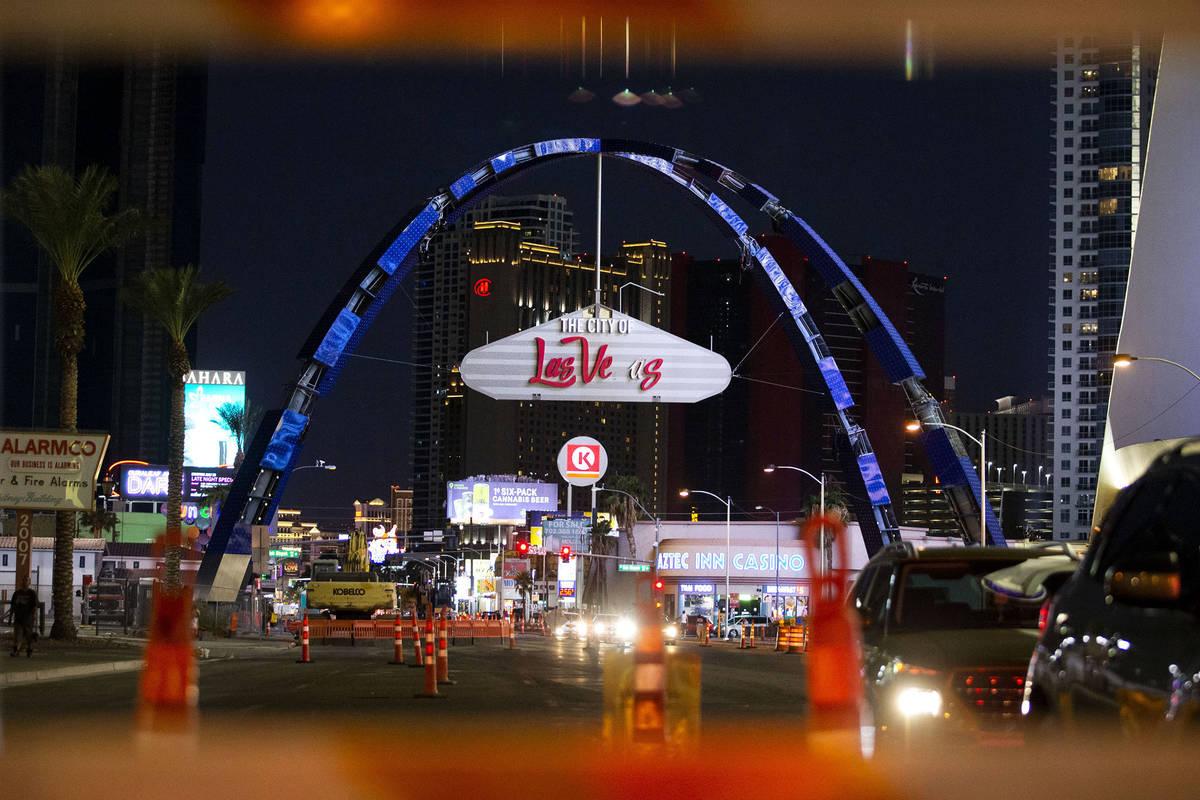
507, 265
1100, 115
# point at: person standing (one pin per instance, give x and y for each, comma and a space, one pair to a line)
24, 603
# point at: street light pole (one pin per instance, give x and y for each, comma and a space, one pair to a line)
1126, 359
982, 442
775, 594
769, 468
621, 298
728, 501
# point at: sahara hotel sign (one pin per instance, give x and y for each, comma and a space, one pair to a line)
50, 470
579, 356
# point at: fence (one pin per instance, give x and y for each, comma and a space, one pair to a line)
385, 628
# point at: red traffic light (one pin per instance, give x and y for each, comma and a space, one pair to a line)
565, 553
658, 585
523, 548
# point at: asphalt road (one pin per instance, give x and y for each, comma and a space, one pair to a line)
543, 681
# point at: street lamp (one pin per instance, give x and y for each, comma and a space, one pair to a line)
728, 501
775, 594
319, 464
983, 462
621, 299
769, 468
1125, 360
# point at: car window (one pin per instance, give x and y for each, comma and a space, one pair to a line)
1159, 519
950, 594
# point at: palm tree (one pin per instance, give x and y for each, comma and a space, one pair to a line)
175, 299
523, 580
595, 570
70, 220
100, 519
239, 419
623, 507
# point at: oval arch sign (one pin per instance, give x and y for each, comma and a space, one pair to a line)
579, 356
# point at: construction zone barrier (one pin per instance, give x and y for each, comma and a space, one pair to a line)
167, 691
443, 656
398, 633
512, 636
704, 634
304, 645
418, 658
430, 690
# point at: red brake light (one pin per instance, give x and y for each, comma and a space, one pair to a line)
1043, 616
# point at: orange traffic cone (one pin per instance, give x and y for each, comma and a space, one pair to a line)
443, 659
167, 691
430, 665
398, 641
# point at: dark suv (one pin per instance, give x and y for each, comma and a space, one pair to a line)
947, 633
1121, 639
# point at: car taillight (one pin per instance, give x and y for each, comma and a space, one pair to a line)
1043, 616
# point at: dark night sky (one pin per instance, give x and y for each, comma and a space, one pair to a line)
309, 165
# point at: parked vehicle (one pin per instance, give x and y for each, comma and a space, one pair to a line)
1121, 640
740, 621
947, 634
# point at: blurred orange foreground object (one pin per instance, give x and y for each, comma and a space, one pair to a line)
167, 691
834, 664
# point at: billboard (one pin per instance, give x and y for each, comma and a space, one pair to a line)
50, 470
149, 482
482, 502
578, 356
207, 443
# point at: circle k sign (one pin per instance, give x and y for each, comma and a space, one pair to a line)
582, 461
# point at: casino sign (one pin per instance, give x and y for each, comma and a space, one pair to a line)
579, 356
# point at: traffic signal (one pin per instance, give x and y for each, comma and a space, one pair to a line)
658, 585
522, 548
565, 553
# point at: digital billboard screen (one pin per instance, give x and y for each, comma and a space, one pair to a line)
207, 442
149, 482
479, 502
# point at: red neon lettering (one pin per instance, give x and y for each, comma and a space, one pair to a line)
558, 372
653, 373
601, 366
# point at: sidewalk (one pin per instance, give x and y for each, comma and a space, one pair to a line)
95, 655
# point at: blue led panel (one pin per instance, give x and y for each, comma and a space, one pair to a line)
728, 214
281, 452
463, 185
503, 162
836, 383
408, 239
335, 339
241, 540
873, 480
567, 146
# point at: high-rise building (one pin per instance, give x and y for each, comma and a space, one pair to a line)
775, 410
401, 503
1103, 91
499, 270
144, 119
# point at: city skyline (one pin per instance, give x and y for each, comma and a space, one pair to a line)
884, 176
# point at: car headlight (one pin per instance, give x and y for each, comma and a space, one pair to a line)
581, 629
919, 702
671, 632
626, 628
560, 630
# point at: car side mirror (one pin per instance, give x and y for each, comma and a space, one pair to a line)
1153, 582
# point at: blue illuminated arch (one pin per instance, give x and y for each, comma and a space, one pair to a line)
270, 458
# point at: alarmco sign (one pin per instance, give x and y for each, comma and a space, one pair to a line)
50, 470
581, 357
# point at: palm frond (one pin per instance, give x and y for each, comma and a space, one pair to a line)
174, 297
